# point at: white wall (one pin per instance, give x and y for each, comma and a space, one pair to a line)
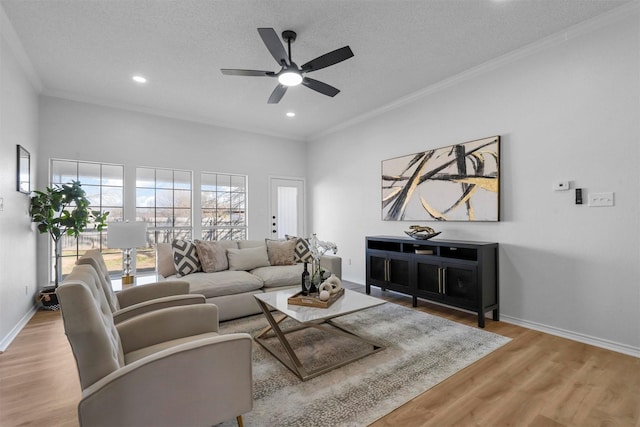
18, 125
80, 131
570, 111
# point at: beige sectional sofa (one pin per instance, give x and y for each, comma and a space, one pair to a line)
249, 270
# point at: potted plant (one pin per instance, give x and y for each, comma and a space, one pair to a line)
62, 211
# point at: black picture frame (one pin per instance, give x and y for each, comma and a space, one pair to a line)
23, 170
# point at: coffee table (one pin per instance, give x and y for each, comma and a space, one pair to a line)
311, 317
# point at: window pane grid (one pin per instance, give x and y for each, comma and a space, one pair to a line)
103, 185
164, 202
223, 206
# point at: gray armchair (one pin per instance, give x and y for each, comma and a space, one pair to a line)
133, 301
164, 368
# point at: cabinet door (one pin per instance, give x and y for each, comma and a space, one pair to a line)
460, 284
428, 279
377, 266
398, 273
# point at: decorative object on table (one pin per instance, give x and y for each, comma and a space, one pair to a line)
306, 281
421, 232
331, 285
313, 300
126, 236
456, 183
324, 295
23, 175
318, 248
62, 211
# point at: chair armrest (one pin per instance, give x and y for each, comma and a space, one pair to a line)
167, 324
203, 382
332, 263
156, 304
138, 294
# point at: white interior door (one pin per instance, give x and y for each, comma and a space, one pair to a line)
287, 207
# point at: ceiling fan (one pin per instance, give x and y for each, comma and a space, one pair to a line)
291, 74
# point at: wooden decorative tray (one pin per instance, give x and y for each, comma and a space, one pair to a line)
313, 300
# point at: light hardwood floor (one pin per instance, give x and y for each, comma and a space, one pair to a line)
535, 380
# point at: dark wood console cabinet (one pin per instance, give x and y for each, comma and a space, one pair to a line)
456, 273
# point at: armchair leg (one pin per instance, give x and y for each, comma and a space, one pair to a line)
239, 419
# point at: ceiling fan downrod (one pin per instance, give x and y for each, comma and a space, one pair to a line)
290, 37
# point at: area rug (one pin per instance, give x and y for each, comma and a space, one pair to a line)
421, 351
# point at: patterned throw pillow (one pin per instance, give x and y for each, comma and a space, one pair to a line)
302, 252
185, 257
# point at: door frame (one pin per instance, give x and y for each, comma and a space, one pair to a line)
304, 200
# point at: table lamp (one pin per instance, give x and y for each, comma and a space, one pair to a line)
125, 236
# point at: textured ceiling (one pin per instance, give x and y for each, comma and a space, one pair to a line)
89, 49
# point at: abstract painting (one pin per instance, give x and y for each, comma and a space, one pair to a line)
456, 183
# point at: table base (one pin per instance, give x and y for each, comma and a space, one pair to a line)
292, 362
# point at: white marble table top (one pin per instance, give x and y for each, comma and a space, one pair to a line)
350, 302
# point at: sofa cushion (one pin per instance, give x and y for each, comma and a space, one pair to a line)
248, 259
213, 255
281, 252
302, 249
165, 260
222, 283
185, 257
244, 244
281, 275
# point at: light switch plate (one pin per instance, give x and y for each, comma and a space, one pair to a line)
601, 199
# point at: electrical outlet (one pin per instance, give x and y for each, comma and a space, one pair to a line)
349, 261
601, 199
1, 204
26, 290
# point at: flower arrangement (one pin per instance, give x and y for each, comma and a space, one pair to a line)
319, 248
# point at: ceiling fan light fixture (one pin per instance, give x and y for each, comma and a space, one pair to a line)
290, 78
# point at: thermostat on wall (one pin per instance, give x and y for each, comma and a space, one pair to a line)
561, 185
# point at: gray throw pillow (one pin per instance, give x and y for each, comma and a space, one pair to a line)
212, 255
247, 259
281, 252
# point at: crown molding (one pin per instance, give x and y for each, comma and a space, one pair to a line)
13, 41
586, 27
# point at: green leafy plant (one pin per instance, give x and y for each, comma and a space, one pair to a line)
64, 211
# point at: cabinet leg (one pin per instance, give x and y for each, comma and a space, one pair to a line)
414, 301
496, 315
481, 320
367, 288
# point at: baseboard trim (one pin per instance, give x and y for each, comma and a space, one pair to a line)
6, 341
575, 336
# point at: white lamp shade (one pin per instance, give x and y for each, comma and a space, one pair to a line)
126, 235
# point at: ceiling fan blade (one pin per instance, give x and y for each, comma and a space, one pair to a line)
318, 86
273, 43
327, 59
258, 73
277, 94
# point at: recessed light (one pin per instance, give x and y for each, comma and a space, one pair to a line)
291, 114
139, 79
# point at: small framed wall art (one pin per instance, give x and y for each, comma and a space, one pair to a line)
23, 167
456, 183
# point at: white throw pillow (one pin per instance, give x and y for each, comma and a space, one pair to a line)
247, 259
